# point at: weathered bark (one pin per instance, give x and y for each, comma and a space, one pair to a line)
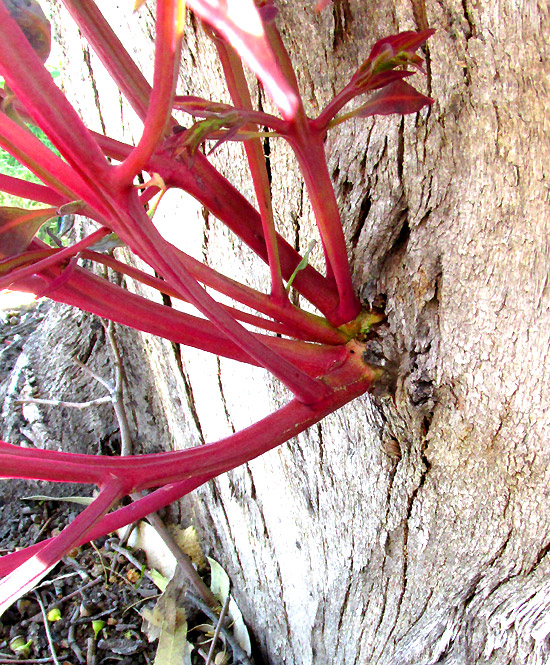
412, 529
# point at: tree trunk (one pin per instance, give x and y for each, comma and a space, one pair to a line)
408, 528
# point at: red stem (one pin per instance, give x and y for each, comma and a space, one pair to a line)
310, 153
112, 54
52, 170
98, 296
159, 109
294, 322
135, 473
139, 233
45, 103
183, 103
238, 89
248, 38
161, 286
336, 103
283, 58
31, 191
20, 274
211, 189
112, 521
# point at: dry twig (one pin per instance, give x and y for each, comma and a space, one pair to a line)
217, 630
47, 629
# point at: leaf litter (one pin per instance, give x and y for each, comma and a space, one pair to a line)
106, 604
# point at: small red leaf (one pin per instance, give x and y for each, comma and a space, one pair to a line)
18, 227
322, 4
385, 78
404, 42
398, 97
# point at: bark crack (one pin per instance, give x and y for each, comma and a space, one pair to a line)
472, 591
266, 143
364, 210
88, 63
294, 296
471, 32
540, 556
253, 492
167, 301
205, 233
343, 17
419, 13
91, 342
343, 606
321, 444
383, 612
222, 394
405, 555
221, 503
400, 150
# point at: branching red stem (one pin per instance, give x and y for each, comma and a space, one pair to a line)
159, 109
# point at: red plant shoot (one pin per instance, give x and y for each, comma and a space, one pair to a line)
318, 357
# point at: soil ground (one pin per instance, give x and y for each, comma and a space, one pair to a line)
92, 600
95, 584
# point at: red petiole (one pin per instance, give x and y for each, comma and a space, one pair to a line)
317, 356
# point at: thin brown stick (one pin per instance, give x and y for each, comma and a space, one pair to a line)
47, 629
117, 400
217, 630
95, 375
58, 402
5, 659
71, 637
90, 652
181, 558
117, 393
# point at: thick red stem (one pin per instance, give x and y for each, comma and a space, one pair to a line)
238, 89
137, 230
294, 322
98, 296
310, 153
112, 53
350, 380
30, 190
211, 189
159, 109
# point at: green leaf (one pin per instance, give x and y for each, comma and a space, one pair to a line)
107, 244
220, 587
70, 208
159, 580
302, 265
98, 626
219, 582
54, 615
